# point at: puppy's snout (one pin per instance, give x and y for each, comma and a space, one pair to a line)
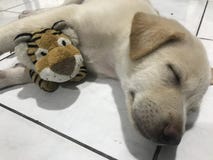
170, 135
160, 127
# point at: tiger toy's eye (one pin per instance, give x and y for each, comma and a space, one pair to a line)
43, 53
40, 53
63, 41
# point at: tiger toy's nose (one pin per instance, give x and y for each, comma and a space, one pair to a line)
61, 60
64, 67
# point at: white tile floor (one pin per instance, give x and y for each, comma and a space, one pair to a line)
21, 139
207, 25
101, 126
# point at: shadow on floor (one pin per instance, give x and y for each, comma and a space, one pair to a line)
57, 100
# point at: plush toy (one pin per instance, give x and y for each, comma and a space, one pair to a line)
51, 55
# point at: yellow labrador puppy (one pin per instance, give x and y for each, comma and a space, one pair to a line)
162, 67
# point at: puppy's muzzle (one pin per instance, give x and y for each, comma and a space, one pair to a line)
164, 132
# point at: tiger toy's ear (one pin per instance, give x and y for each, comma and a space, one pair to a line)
60, 25
23, 37
66, 29
21, 42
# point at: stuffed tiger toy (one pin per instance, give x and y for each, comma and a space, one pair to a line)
51, 56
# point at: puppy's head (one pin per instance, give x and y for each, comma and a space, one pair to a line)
169, 74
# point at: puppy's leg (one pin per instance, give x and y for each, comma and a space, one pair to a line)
14, 76
28, 24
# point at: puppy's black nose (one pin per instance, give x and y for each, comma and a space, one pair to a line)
170, 135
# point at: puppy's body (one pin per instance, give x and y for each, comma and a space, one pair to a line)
157, 105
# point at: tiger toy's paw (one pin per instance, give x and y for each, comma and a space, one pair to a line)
49, 86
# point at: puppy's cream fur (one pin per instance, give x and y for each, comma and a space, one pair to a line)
144, 62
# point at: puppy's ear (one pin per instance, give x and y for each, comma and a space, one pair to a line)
149, 32
23, 37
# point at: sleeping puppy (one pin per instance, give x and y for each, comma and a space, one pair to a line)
162, 67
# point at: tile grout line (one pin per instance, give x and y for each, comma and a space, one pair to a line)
208, 39
8, 56
58, 133
204, 11
4, 10
8, 11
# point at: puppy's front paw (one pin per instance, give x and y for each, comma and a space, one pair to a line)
3, 79
2, 74
14, 76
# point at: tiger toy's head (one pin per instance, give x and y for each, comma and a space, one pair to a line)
50, 52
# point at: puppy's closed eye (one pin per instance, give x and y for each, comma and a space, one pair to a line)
176, 75
132, 96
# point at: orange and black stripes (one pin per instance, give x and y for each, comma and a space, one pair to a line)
45, 85
81, 75
33, 42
